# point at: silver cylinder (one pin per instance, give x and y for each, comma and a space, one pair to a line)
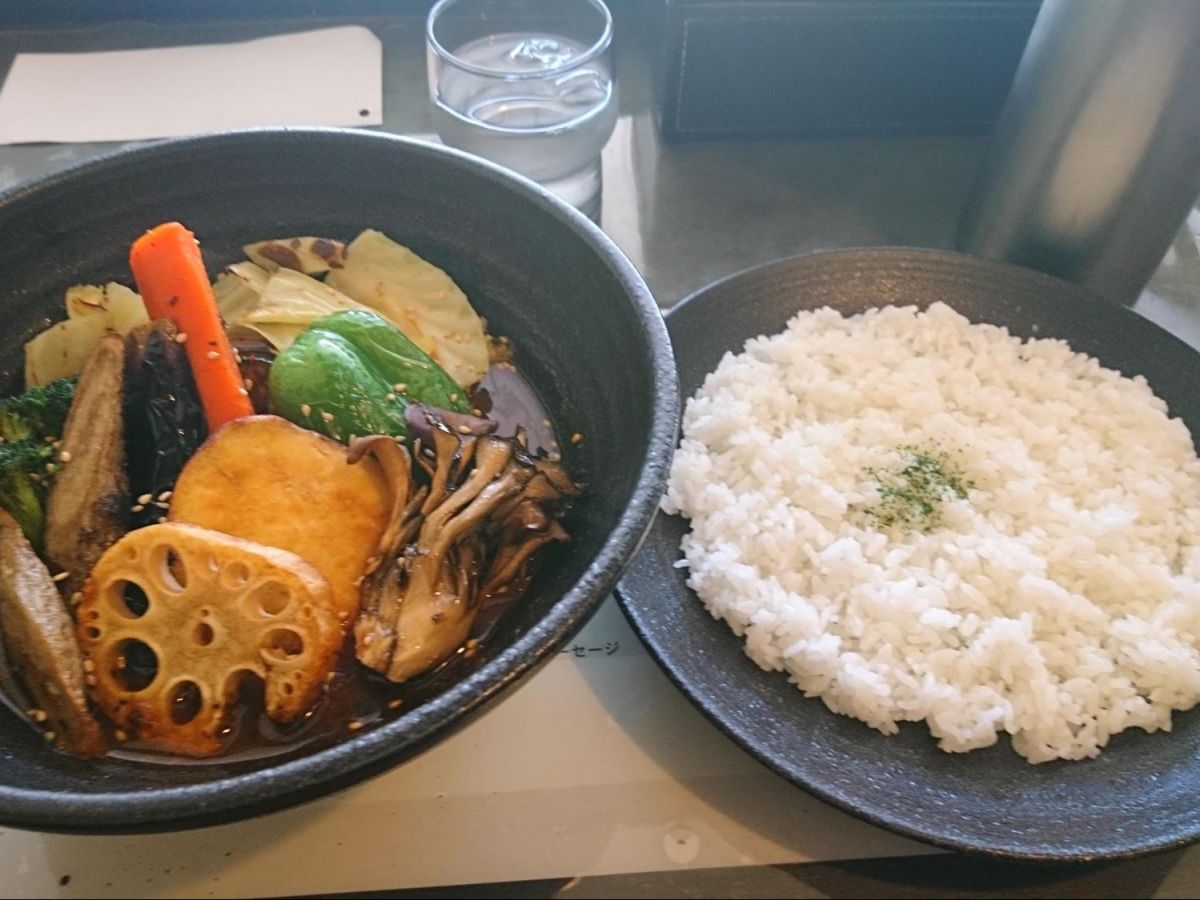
1095, 160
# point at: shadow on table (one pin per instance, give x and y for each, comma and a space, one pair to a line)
950, 876
180, 862
959, 875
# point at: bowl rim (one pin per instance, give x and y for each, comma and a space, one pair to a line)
297, 780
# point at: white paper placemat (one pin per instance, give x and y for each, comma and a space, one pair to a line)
596, 766
331, 76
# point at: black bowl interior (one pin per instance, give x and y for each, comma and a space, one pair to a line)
1137, 797
587, 334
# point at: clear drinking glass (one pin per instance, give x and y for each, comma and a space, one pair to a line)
528, 84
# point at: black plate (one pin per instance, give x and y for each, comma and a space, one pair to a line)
587, 333
1141, 794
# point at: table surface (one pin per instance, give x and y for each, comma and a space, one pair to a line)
687, 215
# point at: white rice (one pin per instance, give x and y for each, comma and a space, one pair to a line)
1058, 602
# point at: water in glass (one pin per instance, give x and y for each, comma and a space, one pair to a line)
550, 128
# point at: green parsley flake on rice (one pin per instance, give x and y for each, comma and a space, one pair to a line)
1039, 574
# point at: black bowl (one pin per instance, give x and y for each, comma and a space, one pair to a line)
588, 336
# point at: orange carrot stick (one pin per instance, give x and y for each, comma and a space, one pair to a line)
170, 276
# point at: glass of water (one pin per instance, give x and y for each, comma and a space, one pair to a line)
528, 84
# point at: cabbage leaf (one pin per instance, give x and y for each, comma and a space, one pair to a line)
419, 299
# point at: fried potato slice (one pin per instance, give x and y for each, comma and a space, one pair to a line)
175, 617
266, 480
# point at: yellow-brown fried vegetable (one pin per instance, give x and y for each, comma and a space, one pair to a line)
310, 255
175, 618
266, 480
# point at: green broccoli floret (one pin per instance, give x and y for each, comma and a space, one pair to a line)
26, 470
38, 413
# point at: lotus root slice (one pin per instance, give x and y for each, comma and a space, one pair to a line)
175, 618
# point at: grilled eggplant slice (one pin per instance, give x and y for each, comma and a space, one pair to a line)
89, 505
40, 646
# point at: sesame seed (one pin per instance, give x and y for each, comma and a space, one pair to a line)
546, 423
89, 665
181, 338
354, 725
576, 438
137, 507
49, 467
236, 354
162, 520
454, 397
165, 495
120, 735
477, 411
162, 505
65, 456
39, 715
327, 416
50, 736
243, 392
395, 704
213, 354
391, 398
249, 382
400, 387
89, 680
305, 410
143, 499
61, 576
77, 598
464, 429
472, 643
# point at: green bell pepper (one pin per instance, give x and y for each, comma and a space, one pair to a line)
353, 373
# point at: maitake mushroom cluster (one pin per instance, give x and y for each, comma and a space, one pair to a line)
454, 546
